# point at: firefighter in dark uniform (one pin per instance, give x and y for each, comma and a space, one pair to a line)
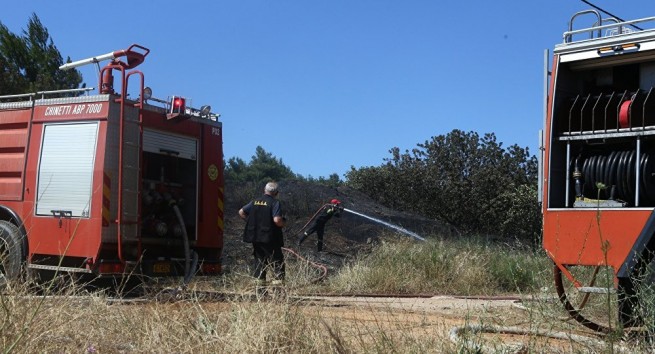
318, 224
264, 222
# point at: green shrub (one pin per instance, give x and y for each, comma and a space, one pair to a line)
445, 267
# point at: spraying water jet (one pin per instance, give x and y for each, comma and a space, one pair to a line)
395, 227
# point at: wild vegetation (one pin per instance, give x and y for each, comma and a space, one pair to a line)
469, 181
263, 167
30, 62
447, 267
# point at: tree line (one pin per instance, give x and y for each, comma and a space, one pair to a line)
30, 62
264, 166
469, 181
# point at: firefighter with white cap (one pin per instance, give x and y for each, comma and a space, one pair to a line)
264, 222
317, 225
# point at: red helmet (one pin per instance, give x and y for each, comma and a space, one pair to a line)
335, 201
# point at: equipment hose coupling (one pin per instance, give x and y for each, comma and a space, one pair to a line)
577, 176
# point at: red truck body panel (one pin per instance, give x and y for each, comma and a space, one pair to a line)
32, 133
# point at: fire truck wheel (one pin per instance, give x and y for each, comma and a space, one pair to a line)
588, 307
10, 252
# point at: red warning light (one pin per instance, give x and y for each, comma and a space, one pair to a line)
178, 105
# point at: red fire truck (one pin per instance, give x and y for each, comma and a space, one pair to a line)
110, 184
598, 176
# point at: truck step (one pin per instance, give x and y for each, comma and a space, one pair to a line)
596, 290
58, 268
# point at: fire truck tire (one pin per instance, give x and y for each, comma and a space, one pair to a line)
11, 252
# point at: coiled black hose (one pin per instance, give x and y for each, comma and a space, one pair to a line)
616, 170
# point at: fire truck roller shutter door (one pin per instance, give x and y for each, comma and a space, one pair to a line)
65, 174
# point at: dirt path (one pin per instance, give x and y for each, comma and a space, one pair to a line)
442, 317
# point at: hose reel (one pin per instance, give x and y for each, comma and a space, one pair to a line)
612, 175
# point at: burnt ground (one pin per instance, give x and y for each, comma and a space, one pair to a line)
345, 236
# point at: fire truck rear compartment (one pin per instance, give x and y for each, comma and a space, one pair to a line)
604, 139
169, 181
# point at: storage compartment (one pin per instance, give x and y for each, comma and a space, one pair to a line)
169, 179
605, 100
603, 147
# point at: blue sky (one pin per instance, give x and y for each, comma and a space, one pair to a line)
326, 85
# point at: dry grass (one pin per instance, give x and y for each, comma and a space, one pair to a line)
90, 323
75, 321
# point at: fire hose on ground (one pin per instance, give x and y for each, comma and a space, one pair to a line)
322, 267
190, 256
456, 336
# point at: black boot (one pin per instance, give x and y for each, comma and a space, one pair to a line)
302, 238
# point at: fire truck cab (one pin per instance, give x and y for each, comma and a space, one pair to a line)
107, 184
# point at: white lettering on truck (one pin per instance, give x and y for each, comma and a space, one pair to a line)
73, 109
57, 110
94, 108
78, 108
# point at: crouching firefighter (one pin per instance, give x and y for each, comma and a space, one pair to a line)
317, 224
